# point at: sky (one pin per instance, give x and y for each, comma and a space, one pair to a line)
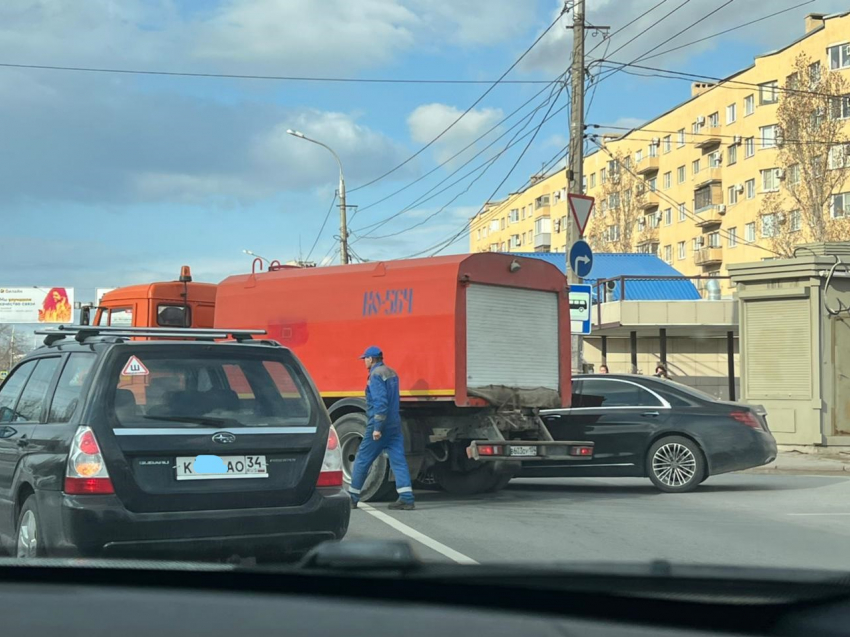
109, 179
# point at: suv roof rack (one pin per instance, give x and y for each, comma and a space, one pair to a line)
83, 332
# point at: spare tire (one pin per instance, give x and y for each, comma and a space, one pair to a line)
351, 428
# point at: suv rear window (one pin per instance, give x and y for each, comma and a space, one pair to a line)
236, 389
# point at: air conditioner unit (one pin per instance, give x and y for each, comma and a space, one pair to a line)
780, 172
656, 141
739, 189
737, 139
721, 209
700, 241
782, 219
779, 136
701, 120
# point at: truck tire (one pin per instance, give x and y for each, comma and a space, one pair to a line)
479, 480
351, 428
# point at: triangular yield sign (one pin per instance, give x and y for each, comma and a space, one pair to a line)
581, 206
134, 367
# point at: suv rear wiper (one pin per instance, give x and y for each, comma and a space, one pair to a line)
197, 420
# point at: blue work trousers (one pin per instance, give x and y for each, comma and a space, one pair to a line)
392, 440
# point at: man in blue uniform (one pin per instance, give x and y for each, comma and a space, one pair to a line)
383, 432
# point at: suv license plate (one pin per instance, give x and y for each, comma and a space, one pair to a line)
523, 451
210, 468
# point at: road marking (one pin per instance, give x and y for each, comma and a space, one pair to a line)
807, 514
412, 533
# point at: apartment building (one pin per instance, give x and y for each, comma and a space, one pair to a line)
694, 179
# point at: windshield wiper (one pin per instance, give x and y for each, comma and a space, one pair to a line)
198, 420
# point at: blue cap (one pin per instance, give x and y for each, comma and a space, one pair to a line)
372, 352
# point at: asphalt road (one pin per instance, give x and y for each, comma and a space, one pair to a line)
800, 521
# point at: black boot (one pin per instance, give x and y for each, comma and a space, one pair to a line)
401, 505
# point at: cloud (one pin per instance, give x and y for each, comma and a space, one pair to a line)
429, 120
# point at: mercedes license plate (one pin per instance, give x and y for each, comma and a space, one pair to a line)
523, 451
218, 467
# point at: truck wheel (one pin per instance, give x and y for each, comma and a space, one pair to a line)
502, 481
351, 428
676, 464
479, 480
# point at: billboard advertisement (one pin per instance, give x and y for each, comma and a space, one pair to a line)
36, 305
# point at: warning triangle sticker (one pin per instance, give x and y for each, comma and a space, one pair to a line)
134, 367
581, 207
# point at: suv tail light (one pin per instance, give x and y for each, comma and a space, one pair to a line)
747, 418
331, 474
86, 472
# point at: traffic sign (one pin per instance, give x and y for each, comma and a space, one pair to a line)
581, 259
581, 207
580, 309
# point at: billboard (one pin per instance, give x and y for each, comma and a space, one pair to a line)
36, 305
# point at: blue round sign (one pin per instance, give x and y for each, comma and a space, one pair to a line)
581, 259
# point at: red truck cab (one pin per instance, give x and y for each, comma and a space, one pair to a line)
180, 303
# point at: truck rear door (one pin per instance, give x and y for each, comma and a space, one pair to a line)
207, 426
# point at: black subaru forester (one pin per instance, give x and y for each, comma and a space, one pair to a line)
112, 445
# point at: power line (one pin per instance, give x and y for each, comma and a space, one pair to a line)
486, 165
784, 140
679, 205
628, 24
322, 229
279, 78
664, 17
465, 148
467, 111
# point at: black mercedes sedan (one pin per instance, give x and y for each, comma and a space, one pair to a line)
651, 427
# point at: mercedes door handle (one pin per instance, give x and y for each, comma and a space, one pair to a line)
650, 414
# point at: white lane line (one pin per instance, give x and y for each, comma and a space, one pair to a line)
814, 514
412, 533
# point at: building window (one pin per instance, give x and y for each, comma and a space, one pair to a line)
516, 240
667, 144
478, 237
612, 233
814, 74
751, 188
653, 150
749, 147
653, 184
604, 206
839, 206
750, 232
494, 225
682, 212
502, 223
731, 113
732, 155
614, 200
603, 176
768, 136
695, 166
796, 223
668, 253
769, 225
639, 156
668, 180
839, 56
714, 120
702, 198
749, 105
715, 159
793, 176
680, 138
770, 180
593, 180
668, 217
714, 239
732, 236
543, 225
732, 195
839, 156
792, 82
680, 250
769, 92
654, 219
697, 243
514, 215
840, 107
695, 128
680, 174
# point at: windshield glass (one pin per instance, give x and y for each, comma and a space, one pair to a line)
187, 391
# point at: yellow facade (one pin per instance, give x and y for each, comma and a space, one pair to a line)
719, 219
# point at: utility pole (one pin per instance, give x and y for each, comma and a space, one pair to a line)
343, 222
575, 170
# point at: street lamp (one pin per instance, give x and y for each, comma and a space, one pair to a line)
251, 253
343, 223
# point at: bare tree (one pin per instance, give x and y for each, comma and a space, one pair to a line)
622, 223
13, 345
812, 162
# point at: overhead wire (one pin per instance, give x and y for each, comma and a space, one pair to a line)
468, 110
626, 138
322, 229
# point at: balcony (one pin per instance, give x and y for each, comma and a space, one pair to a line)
709, 139
542, 241
707, 176
648, 200
542, 205
708, 256
647, 165
710, 216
